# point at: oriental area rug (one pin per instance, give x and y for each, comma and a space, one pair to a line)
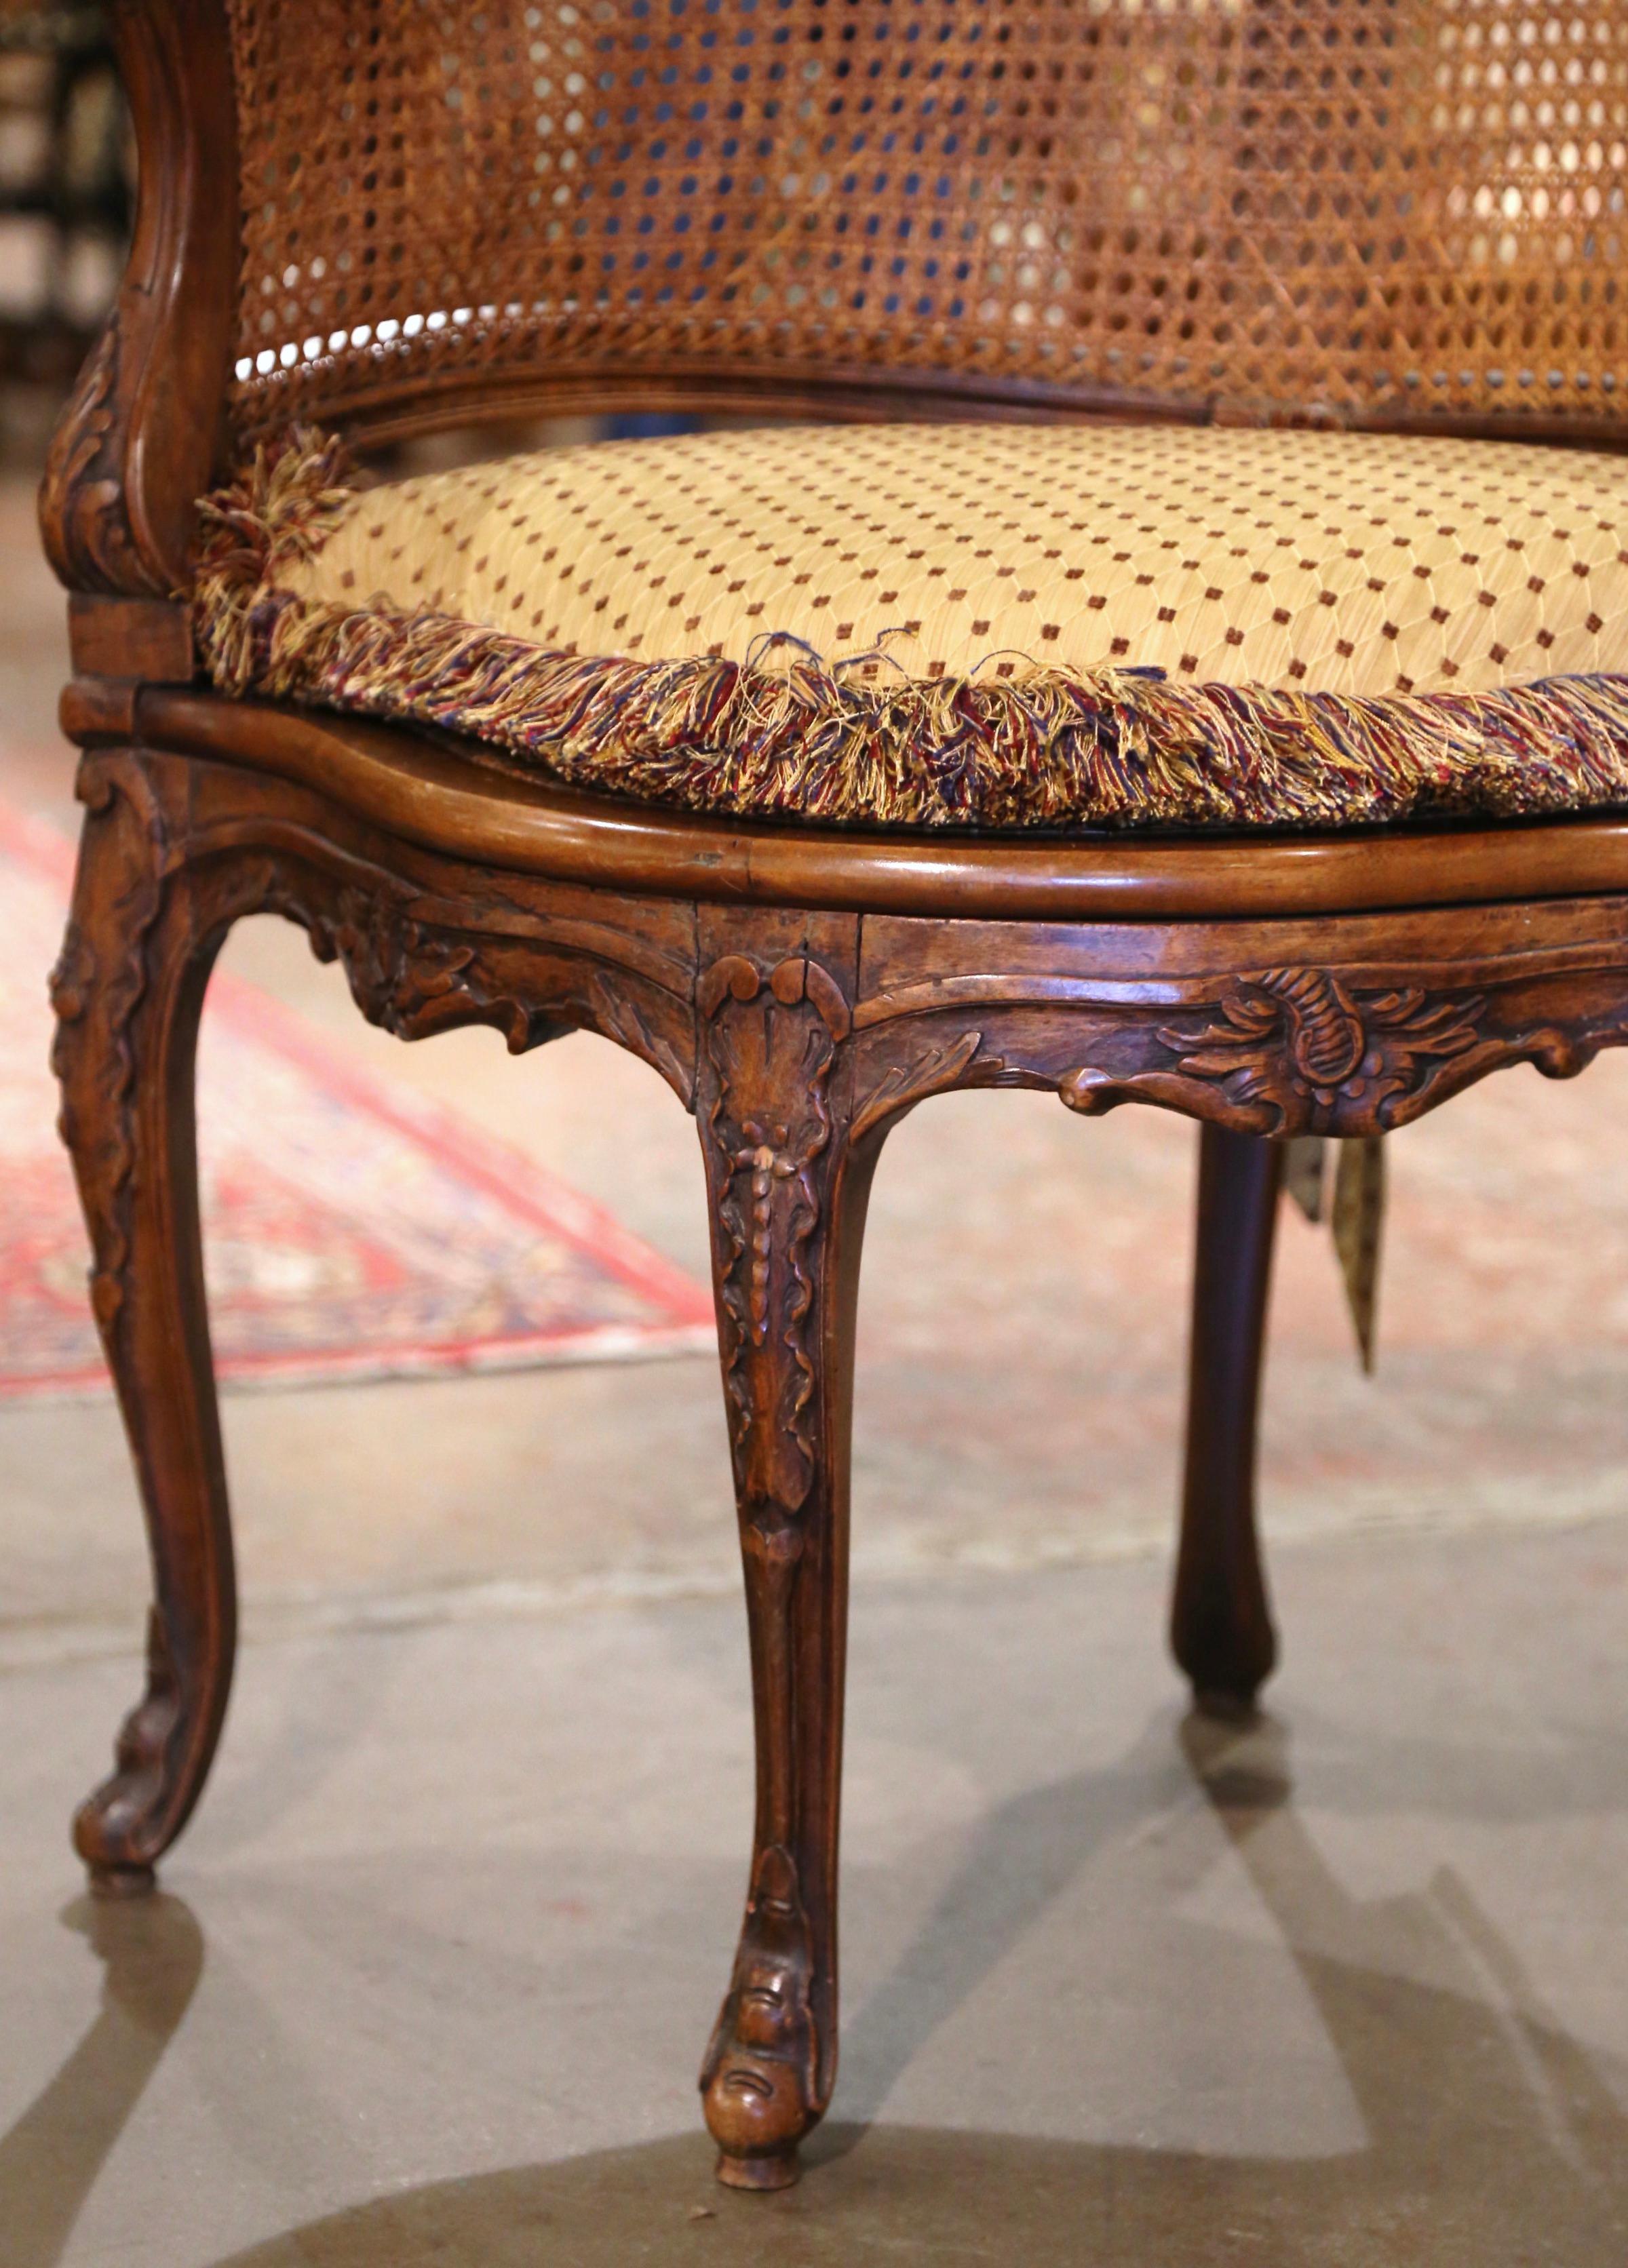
351, 1229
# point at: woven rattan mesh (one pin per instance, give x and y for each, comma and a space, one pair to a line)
1364, 207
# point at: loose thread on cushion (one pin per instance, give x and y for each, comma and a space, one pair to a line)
1114, 747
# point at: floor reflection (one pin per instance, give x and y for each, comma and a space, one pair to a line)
904, 2193
1492, 2137
152, 1953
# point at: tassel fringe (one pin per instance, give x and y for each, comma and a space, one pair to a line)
785, 737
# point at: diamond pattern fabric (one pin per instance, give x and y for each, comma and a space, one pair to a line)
1328, 563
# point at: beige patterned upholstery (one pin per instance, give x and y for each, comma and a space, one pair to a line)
1334, 562
988, 625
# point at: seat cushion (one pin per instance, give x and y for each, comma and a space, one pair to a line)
983, 625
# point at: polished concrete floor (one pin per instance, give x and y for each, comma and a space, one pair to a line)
430, 1977
431, 1972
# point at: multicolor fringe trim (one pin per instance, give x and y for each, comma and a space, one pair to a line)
786, 737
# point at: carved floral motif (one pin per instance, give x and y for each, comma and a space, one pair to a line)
96, 1068
1296, 1049
910, 1080
152, 900
87, 527
619, 1018
414, 979
771, 1042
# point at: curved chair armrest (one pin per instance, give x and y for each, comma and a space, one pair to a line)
141, 438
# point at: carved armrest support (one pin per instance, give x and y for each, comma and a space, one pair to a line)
141, 435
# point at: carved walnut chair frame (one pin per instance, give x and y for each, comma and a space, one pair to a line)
799, 990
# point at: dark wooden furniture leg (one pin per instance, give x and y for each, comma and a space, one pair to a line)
128, 993
1221, 1627
788, 1192
797, 1039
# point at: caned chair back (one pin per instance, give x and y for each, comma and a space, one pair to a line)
1373, 211
385, 214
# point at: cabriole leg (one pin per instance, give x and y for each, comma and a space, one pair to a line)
127, 992
788, 1198
1221, 1626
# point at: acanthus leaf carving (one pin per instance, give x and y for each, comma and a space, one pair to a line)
81, 988
771, 1041
619, 1018
1299, 1050
84, 518
909, 1081
413, 979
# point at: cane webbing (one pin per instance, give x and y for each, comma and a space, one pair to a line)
1358, 208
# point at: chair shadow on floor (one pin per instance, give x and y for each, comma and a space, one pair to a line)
152, 1954
1491, 2136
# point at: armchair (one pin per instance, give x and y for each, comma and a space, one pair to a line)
1194, 677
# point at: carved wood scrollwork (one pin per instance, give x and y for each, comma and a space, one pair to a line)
136, 444
97, 1125
85, 521
907, 1080
770, 1040
156, 891
619, 1017
407, 975
1298, 1050
413, 979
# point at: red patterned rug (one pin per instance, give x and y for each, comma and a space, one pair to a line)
351, 1229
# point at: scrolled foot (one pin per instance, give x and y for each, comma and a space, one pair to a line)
759, 2082
121, 1829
